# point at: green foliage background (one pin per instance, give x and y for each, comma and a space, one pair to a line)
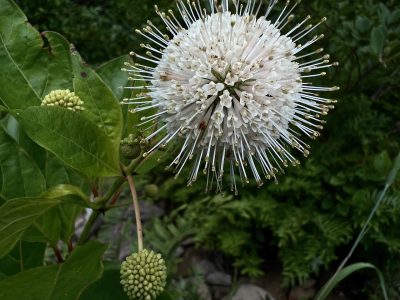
316, 210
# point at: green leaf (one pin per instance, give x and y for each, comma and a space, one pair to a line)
72, 138
17, 215
393, 173
116, 79
108, 286
378, 38
66, 281
332, 283
382, 162
59, 63
134, 119
153, 160
164, 296
101, 106
29, 68
58, 173
21, 177
394, 17
63, 190
24, 256
37, 153
58, 223
383, 13
363, 24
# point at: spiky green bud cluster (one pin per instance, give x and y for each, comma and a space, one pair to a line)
63, 98
143, 275
130, 147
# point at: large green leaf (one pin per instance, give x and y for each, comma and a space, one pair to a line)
58, 173
59, 64
101, 106
378, 38
333, 282
132, 120
37, 153
29, 67
72, 138
112, 75
164, 296
21, 177
24, 256
116, 79
57, 282
58, 223
17, 215
108, 286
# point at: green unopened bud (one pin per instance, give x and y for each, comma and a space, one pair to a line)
130, 147
151, 190
63, 98
143, 275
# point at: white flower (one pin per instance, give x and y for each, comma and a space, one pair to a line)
233, 87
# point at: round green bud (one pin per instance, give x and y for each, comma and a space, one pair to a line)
151, 190
63, 98
129, 151
130, 147
143, 275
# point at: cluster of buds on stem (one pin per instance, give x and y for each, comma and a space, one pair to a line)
63, 98
143, 275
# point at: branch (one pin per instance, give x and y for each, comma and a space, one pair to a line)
137, 212
100, 204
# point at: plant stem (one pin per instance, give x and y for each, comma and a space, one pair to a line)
101, 203
57, 252
114, 199
137, 212
70, 246
88, 226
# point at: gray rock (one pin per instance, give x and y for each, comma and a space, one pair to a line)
306, 291
204, 266
203, 291
188, 242
220, 292
219, 278
149, 210
179, 251
125, 249
251, 292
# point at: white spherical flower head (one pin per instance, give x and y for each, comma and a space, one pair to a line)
233, 87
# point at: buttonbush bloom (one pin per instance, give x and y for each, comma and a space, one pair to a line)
233, 86
143, 275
